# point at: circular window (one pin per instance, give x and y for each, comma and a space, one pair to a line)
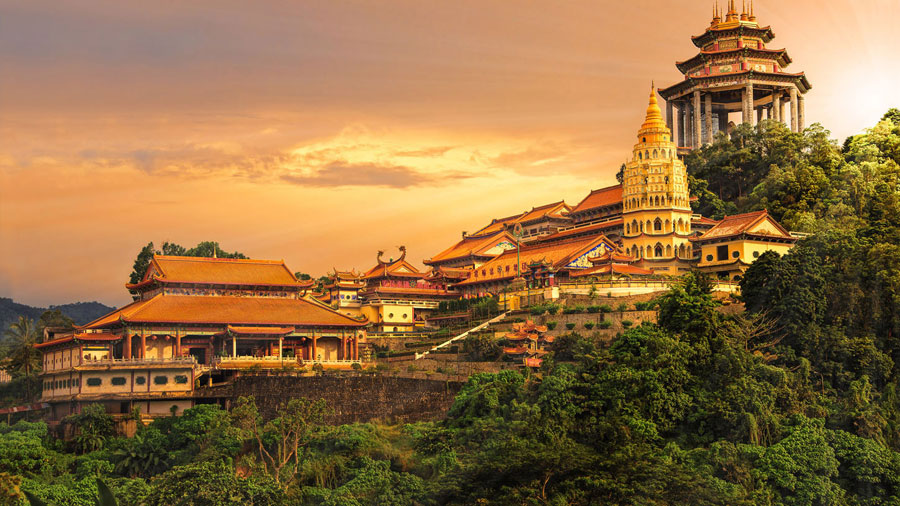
390, 315
709, 258
405, 316
160, 380
756, 254
735, 254
140, 380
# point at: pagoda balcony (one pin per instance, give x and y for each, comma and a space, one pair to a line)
274, 362
123, 363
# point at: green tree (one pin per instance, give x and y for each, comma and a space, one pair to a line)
93, 426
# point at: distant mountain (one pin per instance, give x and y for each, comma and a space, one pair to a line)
81, 312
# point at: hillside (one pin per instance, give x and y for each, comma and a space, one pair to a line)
81, 312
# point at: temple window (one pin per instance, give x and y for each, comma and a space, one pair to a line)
160, 380
181, 379
657, 225
94, 382
118, 381
659, 251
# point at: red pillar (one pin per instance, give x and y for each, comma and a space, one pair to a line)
355, 347
143, 346
127, 343
177, 345
314, 354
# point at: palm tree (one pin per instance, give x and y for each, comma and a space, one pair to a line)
20, 357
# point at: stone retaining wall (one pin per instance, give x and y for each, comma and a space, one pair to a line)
362, 398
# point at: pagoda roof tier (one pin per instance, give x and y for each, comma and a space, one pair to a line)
779, 55
721, 81
731, 29
394, 291
218, 271
453, 273
240, 311
591, 230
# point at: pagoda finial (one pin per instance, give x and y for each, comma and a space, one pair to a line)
744, 16
752, 15
654, 117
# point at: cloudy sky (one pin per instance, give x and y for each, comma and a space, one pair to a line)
320, 132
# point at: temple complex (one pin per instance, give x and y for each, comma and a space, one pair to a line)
733, 72
194, 320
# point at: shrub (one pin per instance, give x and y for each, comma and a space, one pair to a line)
412, 368
589, 325
622, 307
538, 309
593, 309
553, 308
551, 325
604, 324
605, 308
627, 323
356, 366
570, 325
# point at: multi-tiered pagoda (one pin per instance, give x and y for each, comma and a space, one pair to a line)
734, 72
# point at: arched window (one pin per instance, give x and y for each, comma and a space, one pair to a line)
659, 250
657, 225
649, 226
647, 154
640, 156
649, 252
667, 226
634, 226
628, 228
668, 250
655, 154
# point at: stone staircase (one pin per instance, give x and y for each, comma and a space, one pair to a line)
463, 335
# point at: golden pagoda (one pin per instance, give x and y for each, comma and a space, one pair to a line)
656, 205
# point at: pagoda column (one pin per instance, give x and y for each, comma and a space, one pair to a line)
355, 346
177, 344
695, 138
748, 107
795, 117
776, 105
685, 121
143, 345
234, 347
280, 347
708, 117
759, 115
315, 356
670, 119
127, 346
801, 113
723, 120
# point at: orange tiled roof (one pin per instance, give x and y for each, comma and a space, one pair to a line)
496, 225
603, 197
98, 336
590, 230
731, 226
229, 271
241, 311
476, 245
400, 268
553, 210
260, 330
703, 220
631, 270
559, 254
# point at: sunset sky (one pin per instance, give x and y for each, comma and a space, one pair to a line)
322, 131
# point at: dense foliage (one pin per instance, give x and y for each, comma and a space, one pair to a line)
793, 401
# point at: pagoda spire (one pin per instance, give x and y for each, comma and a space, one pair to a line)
752, 15
744, 16
654, 117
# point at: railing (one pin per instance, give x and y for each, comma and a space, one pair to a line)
396, 334
496, 319
397, 302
